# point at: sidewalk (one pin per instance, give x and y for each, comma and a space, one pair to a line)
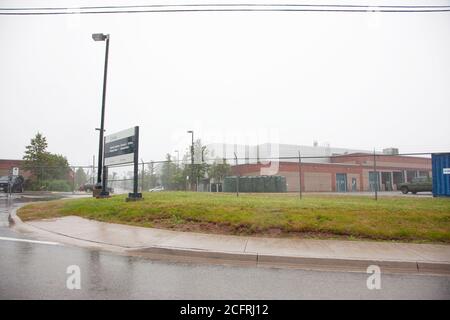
301, 253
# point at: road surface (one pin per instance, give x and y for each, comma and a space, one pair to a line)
30, 269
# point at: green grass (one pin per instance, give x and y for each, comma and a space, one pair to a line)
317, 216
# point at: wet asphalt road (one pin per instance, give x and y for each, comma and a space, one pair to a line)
38, 271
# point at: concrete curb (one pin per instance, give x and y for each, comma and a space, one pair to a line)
181, 254
24, 227
14, 217
308, 263
256, 259
357, 265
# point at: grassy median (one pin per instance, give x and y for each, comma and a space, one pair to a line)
314, 216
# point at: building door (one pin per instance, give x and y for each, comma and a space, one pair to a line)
386, 181
374, 180
398, 179
354, 186
341, 182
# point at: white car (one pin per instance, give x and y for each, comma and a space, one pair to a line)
157, 189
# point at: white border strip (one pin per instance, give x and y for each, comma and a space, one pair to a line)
31, 241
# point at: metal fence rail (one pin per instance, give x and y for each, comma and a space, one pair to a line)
344, 173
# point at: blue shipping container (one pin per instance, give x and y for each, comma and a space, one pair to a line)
441, 174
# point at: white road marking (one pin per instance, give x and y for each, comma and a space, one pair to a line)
30, 241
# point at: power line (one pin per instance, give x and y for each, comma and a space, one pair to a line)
224, 10
229, 8
231, 5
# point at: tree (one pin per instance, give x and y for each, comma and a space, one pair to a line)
219, 170
56, 167
80, 177
168, 172
200, 167
36, 155
152, 177
43, 164
37, 148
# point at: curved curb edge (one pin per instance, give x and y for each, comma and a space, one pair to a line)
267, 260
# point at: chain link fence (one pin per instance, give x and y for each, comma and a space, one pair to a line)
354, 173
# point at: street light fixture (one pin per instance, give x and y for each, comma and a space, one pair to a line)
99, 36
102, 37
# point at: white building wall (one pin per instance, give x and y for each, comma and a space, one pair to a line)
268, 150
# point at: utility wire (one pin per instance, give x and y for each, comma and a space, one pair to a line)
232, 5
226, 8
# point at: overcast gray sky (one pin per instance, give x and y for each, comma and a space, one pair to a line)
357, 80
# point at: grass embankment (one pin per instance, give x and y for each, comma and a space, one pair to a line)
402, 218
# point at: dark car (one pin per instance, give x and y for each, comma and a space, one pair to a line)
89, 187
419, 184
13, 182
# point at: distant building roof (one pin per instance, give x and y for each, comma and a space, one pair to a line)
285, 152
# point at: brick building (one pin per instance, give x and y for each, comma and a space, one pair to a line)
6, 166
338, 170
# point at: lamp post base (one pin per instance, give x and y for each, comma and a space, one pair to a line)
99, 193
134, 197
103, 194
96, 191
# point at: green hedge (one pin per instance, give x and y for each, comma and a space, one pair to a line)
255, 184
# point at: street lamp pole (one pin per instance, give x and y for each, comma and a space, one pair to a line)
102, 37
192, 156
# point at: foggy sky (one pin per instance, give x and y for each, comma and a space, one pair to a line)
354, 80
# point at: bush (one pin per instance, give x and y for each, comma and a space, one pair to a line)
48, 185
58, 185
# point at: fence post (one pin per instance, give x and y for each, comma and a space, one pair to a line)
93, 170
300, 174
10, 182
375, 173
142, 177
73, 180
151, 175
237, 175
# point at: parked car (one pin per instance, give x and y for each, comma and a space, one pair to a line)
157, 189
16, 183
89, 187
419, 184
